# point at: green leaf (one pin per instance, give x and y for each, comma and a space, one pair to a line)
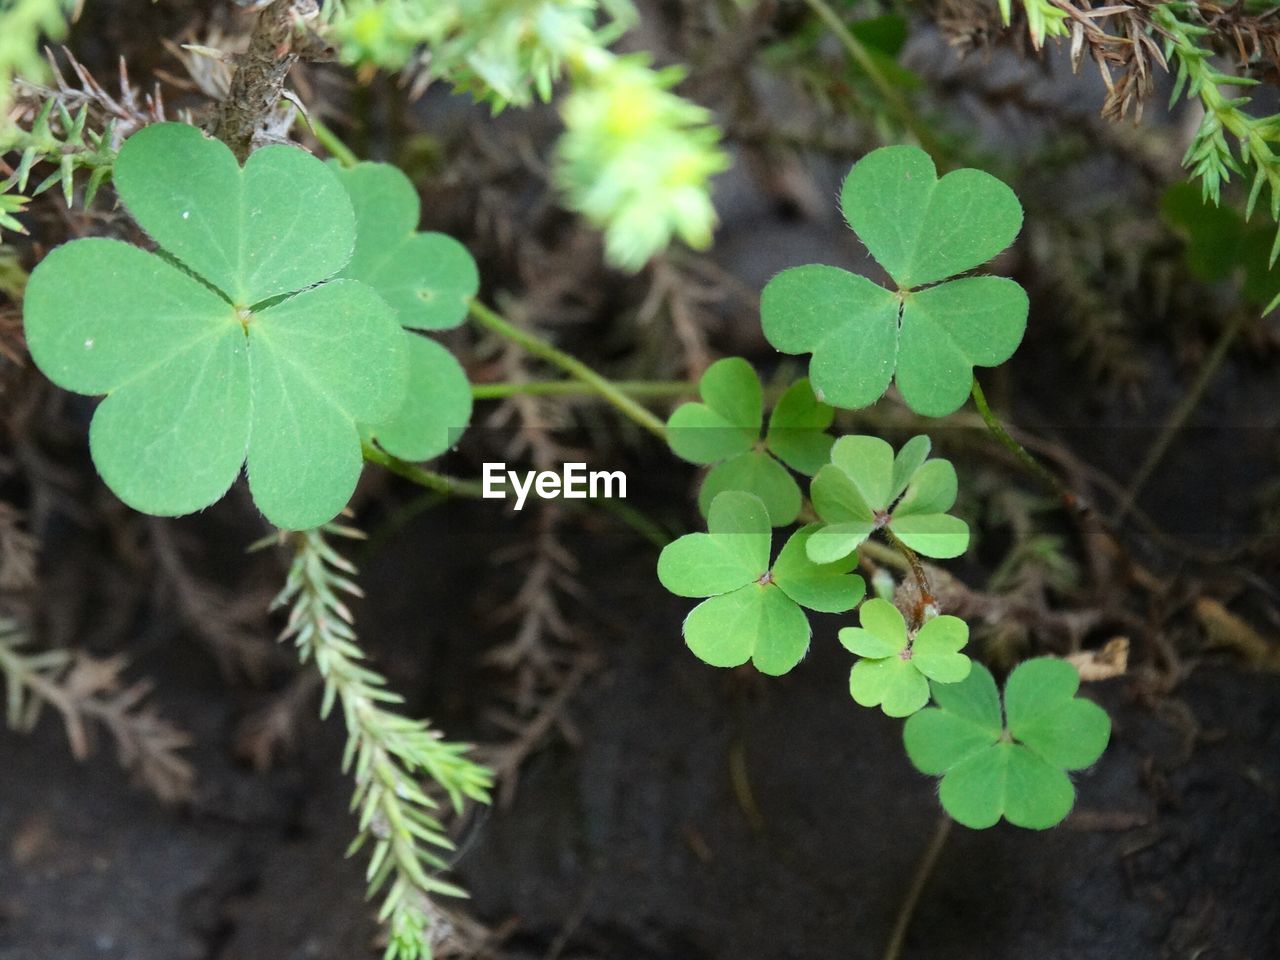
853, 492
733, 554
891, 684
724, 431
931, 489
895, 668
848, 323
909, 459
949, 329
827, 588
936, 649
322, 362
197, 385
759, 474
922, 229
796, 429
757, 622
937, 535
436, 407
727, 422
1044, 713
428, 278
280, 223
989, 772
868, 463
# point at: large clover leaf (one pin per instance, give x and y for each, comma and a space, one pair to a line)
866, 488
429, 280
929, 334
753, 611
724, 431
896, 668
228, 346
1016, 768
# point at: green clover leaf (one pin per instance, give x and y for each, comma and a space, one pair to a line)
1015, 769
753, 612
232, 345
429, 280
896, 668
929, 334
724, 431
866, 488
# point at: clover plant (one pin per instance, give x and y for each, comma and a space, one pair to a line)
724, 431
262, 334
933, 329
927, 333
897, 664
753, 611
866, 488
1013, 766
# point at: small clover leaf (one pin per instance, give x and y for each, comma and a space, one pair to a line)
752, 612
866, 488
929, 334
231, 346
429, 280
896, 668
724, 431
1016, 768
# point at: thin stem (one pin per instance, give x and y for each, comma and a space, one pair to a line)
451, 486
917, 570
925, 870
573, 388
1041, 472
332, 142
491, 320
1181, 413
860, 55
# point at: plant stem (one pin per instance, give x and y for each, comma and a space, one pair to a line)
571, 388
927, 598
332, 142
925, 869
1041, 472
860, 55
451, 486
491, 320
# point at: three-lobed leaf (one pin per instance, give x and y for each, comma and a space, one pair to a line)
723, 432
752, 611
867, 487
1015, 768
930, 334
896, 668
233, 346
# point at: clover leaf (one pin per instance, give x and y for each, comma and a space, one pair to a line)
429, 280
724, 431
231, 345
928, 334
1015, 768
896, 668
866, 488
753, 612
